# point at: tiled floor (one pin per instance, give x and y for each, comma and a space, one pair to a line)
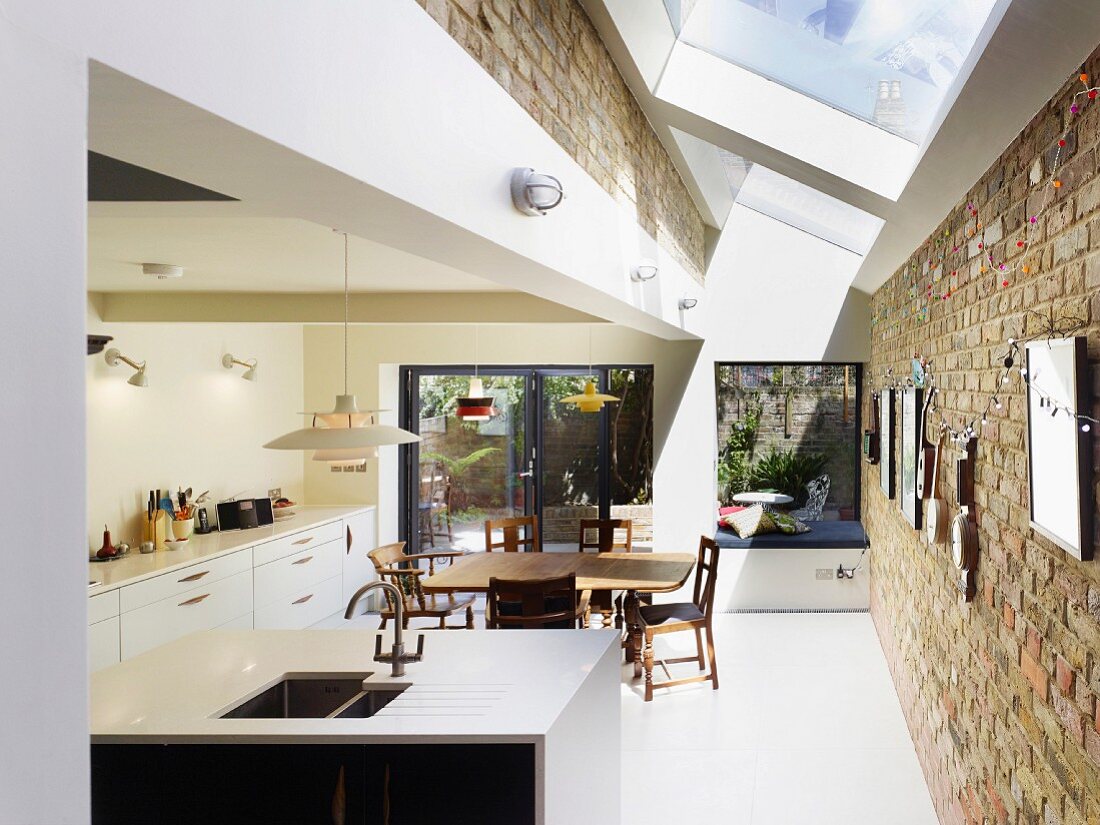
805, 730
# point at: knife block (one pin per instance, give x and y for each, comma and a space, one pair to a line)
156, 530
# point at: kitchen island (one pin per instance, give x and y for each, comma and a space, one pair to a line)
492, 726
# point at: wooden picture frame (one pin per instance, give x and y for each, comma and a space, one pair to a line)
1059, 452
886, 427
912, 404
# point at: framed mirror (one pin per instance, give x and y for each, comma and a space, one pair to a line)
1059, 454
887, 472
912, 400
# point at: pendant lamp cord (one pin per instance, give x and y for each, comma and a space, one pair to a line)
345, 313
477, 351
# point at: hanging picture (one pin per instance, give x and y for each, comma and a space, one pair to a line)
911, 400
886, 442
1059, 450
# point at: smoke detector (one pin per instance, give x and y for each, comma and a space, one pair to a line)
162, 271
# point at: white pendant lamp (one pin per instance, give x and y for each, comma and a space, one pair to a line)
589, 401
344, 435
476, 405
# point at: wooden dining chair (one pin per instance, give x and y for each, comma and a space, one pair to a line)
523, 530
657, 619
418, 604
536, 603
607, 539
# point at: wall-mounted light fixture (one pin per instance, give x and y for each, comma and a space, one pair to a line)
534, 193
228, 361
646, 270
688, 303
138, 379
162, 272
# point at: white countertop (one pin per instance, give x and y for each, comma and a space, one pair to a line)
136, 566
472, 686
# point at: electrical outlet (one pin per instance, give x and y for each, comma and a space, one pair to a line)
274, 493
361, 468
825, 574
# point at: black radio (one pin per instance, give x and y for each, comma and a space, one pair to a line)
244, 514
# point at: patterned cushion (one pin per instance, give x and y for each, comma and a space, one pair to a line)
789, 524
725, 511
754, 521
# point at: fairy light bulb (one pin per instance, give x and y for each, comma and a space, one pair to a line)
1085, 428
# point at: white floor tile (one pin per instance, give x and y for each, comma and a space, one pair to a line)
806, 707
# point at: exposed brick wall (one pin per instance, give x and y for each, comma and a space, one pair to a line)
550, 58
1000, 695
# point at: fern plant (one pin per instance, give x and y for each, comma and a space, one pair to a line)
787, 472
456, 467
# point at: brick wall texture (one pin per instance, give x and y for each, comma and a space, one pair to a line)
1001, 694
549, 57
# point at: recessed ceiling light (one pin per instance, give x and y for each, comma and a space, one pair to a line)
162, 271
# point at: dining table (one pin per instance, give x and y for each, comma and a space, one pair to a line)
632, 573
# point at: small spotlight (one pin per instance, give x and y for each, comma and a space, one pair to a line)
113, 357
228, 361
646, 270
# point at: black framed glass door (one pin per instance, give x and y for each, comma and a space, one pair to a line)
538, 455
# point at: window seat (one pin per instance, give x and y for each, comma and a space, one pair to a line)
823, 535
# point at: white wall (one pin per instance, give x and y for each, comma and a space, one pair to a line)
684, 431
196, 424
43, 611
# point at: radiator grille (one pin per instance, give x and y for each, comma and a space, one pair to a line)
797, 610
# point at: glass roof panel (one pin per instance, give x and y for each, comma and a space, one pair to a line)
890, 63
796, 204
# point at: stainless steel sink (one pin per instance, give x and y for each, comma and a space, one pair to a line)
339, 696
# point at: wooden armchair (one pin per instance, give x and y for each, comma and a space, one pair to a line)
536, 603
695, 615
523, 530
606, 541
418, 605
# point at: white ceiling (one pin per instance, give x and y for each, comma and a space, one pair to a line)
223, 248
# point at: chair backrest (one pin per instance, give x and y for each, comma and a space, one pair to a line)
706, 575
818, 492
512, 536
387, 555
533, 603
605, 534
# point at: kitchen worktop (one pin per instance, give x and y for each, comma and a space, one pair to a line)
472, 686
136, 566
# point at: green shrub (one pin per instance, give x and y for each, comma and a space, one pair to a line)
787, 472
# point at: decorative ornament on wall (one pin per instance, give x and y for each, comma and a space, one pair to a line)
964, 527
887, 473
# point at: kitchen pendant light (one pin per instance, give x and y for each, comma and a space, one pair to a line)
476, 405
590, 400
345, 435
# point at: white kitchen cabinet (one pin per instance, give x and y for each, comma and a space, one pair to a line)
296, 542
103, 644
202, 608
302, 609
178, 582
296, 572
359, 538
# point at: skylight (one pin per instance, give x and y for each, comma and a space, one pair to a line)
890, 63
796, 204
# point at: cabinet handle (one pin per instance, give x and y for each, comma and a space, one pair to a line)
304, 599
303, 561
195, 600
306, 540
194, 577
349, 539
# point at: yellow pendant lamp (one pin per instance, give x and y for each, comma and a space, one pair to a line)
590, 400
344, 435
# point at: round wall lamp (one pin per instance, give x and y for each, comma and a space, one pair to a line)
688, 303
646, 270
534, 193
113, 357
162, 272
228, 361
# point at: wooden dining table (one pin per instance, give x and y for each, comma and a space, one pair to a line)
633, 573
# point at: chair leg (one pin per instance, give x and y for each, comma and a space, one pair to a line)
382, 626
636, 645
648, 657
699, 648
442, 622
469, 617
713, 661
619, 612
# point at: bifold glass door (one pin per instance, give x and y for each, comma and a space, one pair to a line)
536, 455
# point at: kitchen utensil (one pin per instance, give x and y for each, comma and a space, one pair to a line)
182, 528
148, 547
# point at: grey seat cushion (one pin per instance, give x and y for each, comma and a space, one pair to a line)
657, 614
